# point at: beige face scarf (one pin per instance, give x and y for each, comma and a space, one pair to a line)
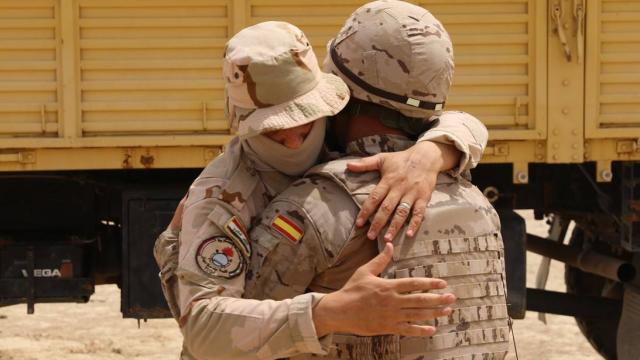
293, 162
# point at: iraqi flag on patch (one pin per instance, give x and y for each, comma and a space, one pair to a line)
288, 228
236, 231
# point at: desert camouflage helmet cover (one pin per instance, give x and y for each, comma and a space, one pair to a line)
273, 81
394, 54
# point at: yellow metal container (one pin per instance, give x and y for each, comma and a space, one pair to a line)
108, 84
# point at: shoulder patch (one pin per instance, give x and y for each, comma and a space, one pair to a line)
234, 228
220, 256
287, 227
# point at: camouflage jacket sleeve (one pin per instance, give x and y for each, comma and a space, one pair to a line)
165, 251
215, 321
465, 132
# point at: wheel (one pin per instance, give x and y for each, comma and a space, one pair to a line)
600, 333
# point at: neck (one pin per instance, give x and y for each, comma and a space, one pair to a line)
363, 125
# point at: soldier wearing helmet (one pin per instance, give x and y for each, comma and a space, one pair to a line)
307, 241
402, 73
274, 92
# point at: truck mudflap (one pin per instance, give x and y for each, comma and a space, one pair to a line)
514, 235
146, 213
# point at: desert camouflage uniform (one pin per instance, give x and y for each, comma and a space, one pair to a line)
205, 195
459, 241
213, 247
221, 205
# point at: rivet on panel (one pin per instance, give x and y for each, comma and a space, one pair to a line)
606, 175
586, 156
574, 146
556, 146
574, 131
574, 157
555, 131
522, 177
539, 145
565, 111
540, 157
565, 82
555, 157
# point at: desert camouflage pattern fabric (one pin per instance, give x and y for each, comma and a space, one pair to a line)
209, 191
459, 241
165, 251
273, 81
398, 47
465, 132
215, 322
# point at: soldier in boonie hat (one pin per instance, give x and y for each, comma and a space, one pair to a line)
273, 84
273, 81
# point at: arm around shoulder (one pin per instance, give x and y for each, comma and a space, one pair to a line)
463, 130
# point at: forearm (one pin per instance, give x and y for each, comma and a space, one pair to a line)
464, 132
232, 328
445, 156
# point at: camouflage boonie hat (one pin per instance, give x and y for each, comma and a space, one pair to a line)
394, 54
273, 80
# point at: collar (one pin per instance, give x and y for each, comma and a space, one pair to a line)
375, 144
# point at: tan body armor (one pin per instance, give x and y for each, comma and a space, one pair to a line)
459, 241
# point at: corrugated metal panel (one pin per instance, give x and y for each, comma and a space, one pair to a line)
496, 44
320, 20
29, 77
152, 67
613, 69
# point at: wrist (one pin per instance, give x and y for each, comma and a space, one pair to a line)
174, 230
323, 314
443, 156
429, 153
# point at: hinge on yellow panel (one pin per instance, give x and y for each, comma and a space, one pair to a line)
519, 101
628, 146
497, 149
22, 157
43, 118
204, 115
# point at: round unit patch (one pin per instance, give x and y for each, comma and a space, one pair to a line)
219, 256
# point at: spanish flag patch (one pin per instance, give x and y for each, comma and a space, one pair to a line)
287, 227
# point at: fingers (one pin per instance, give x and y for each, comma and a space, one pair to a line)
409, 285
371, 204
414, 315
419, 209
406, 329
386, 209
366, 164
426, 300
399, 217
376, 265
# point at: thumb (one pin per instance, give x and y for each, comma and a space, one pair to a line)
366, 164
377, 265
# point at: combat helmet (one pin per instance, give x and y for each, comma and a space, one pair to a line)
394, 54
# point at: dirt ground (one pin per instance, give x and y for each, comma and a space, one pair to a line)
97, 331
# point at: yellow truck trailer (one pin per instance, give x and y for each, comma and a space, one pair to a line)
108, 108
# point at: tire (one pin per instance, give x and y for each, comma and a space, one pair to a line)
600, 333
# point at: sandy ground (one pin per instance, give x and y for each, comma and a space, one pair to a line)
97, 331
